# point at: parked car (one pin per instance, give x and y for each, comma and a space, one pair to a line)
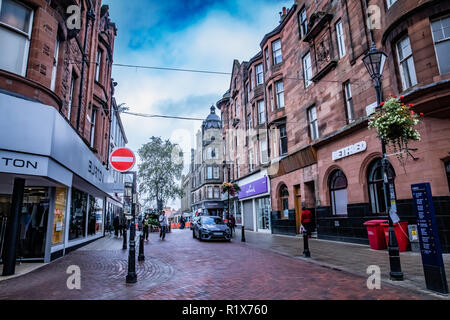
211, 228
193, 222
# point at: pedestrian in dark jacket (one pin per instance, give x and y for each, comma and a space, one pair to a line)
232, 224
145, 227
116, 224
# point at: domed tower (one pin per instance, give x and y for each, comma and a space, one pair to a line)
208, 173
212, 121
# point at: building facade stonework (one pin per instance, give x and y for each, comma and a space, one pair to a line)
57, 117
318, 96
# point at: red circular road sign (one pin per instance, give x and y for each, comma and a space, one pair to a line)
122, 159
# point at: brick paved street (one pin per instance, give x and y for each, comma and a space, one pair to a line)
184, 268
350, 257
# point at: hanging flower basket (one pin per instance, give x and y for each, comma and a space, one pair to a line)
231, 188
394, 124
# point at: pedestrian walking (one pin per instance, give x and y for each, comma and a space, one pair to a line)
182, 223
116, 225
307, 221
163, 225
232, 224
145, 227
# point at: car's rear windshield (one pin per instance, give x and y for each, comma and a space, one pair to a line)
210, 220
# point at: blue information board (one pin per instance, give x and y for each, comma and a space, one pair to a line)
430, 246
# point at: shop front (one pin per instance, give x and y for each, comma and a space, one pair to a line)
52, 187
255, 202
351, 182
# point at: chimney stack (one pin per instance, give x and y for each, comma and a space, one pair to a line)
283, 14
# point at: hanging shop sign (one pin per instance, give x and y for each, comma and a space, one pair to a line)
430, 247
350, 150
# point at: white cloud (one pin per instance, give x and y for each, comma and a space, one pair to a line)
210, 44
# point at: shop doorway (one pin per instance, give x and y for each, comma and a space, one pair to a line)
263, 213
298, 208
5, 209
33, 223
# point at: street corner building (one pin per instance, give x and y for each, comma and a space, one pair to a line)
297, 115
58, 124
206, 174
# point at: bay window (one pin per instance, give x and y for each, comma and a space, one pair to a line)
441, 38
280, 94
16, 22
277, 55
259, 74
261, 112
406, 63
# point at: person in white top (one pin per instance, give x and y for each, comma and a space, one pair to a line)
163, 225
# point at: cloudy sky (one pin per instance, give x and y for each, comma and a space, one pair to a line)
186, 34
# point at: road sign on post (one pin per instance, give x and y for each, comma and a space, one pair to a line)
122, 159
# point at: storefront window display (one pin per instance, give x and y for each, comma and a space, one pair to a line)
263, 212
95, 219
33, 223
237, 212
5, 208
78, 213
59, 216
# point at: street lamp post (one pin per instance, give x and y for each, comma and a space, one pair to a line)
374, 61
131, 276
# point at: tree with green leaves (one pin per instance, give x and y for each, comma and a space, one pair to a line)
161, 166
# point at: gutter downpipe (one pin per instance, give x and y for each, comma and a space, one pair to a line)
90, 15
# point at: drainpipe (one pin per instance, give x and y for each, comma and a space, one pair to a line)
90, 15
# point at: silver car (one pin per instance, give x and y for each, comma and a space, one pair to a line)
211, 228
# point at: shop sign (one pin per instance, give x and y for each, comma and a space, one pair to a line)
254, 188
430, 247
350, 150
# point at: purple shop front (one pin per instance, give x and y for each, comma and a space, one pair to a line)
254, 188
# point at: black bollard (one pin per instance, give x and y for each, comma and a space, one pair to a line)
243, 234
124, 232
306, 252
141, 256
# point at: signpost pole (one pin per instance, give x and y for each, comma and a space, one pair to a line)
131, 277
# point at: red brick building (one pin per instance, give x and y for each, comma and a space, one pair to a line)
56, 105
318, 96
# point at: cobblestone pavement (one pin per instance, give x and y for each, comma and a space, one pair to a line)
353, 258
184, 268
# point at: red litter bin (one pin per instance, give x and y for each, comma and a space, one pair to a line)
401, 232
376, 234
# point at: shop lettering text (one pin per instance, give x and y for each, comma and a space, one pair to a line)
350, 150
95, 171
19, 163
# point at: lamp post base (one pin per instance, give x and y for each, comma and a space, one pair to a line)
396, 273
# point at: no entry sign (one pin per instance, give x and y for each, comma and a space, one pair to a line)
122, 159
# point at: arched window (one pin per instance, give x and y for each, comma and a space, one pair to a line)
375, 181
284, 198
338, 193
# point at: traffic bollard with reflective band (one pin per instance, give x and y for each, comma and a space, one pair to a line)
124, 232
